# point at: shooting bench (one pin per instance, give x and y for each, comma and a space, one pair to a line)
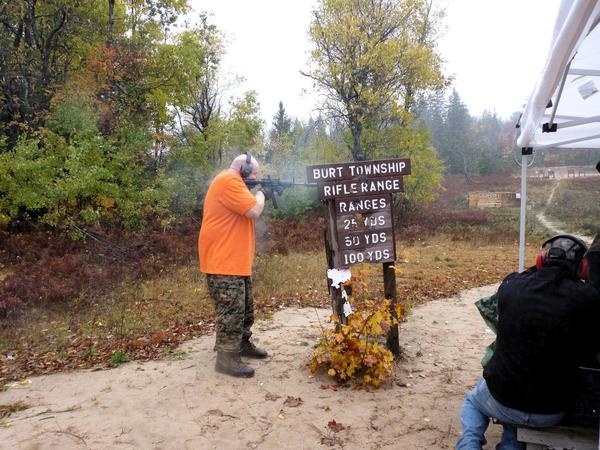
579, 430
559, 437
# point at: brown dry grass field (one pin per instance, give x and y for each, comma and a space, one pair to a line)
148, 319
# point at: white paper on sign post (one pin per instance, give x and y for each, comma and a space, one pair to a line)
347, 308
338, 276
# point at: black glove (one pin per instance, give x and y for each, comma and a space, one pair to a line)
267, 192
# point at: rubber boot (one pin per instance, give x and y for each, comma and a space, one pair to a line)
231, 364
252, 351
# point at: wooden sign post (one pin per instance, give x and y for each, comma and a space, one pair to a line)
360, 227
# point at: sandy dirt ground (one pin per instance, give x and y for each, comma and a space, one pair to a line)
184, 404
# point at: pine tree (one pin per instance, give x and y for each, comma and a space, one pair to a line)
431, 111
282, 124
459, 152
280, 136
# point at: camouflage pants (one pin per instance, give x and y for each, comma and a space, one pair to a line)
234, 305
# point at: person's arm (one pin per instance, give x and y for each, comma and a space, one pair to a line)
237, 198
257, 209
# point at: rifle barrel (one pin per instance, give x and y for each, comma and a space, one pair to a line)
275, 182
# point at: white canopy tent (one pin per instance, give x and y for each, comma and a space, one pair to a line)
564, 108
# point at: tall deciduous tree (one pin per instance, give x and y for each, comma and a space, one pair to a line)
369, 55
41, 43
427, 29
202, 50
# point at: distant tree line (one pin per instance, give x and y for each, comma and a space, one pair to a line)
483, 145
468, 145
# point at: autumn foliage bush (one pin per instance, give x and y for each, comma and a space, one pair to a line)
356, 350
49, 269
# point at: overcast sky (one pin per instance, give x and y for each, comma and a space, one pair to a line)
495, 50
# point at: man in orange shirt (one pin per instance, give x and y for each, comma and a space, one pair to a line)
226, 249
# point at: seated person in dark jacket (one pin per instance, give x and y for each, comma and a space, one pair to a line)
548, 326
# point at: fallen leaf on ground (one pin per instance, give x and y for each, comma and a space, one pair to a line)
330, 442
7, 410
292, 402
218, 412
272, 397
335, 427
331, 387
18, 384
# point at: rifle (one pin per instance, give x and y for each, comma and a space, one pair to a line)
275, 185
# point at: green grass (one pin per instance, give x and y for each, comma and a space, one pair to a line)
119, 357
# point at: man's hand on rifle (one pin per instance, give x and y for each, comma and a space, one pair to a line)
267, 192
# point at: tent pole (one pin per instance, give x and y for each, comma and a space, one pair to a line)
560, 89
525, 153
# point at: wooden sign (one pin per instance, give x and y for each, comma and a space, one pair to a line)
363, 230
364, 221
354, 205
358, 169
360, 218
363, 239
360, 227
377, 254
352, 188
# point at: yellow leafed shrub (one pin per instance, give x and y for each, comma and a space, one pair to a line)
355, 350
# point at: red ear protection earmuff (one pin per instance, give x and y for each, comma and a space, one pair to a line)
246, 169
539, 260
582, 269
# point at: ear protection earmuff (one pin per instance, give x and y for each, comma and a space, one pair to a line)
559, 253
539, 260
584, 269
246, 169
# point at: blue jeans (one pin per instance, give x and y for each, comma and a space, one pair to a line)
479, 406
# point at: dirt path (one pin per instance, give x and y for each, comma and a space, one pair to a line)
183, 403
552, 227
